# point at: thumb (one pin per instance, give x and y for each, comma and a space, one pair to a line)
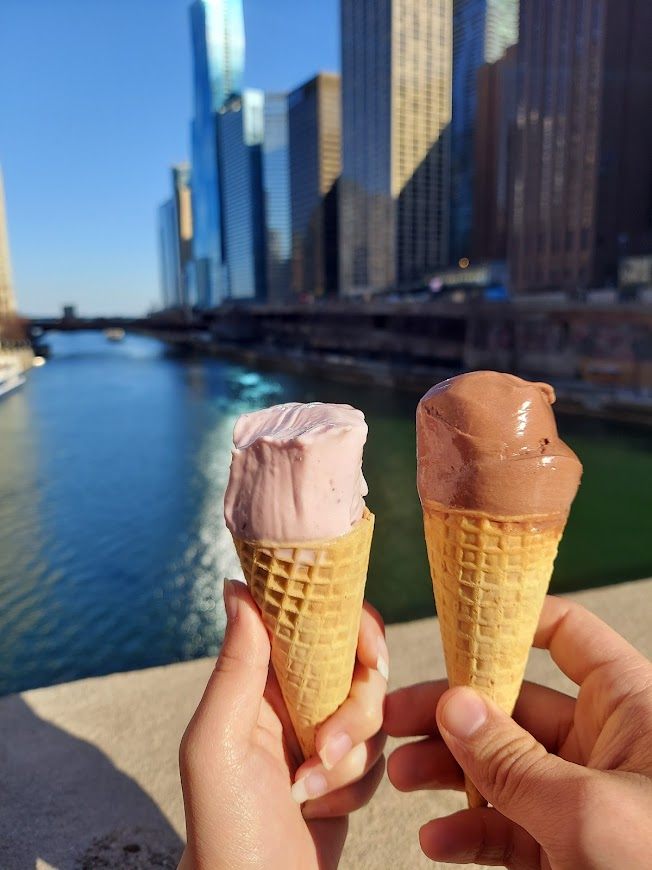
511, 769
232, 698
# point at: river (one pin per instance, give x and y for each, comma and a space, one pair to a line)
113, 464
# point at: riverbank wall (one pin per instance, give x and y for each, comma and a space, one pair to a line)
598, 358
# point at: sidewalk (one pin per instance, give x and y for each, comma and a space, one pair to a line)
88, 770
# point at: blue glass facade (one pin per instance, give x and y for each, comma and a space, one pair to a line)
218, 45
276, 185
175, 242
240, 136
168, 253
482, 30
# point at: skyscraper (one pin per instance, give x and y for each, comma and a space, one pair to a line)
582, 191
482, 30
168, 254
493, 146
396, 102
175, 241
276, 189
7, 301
314, 111
217, 28
240, 136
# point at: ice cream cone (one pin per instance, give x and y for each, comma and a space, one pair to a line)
310, 595
490, 576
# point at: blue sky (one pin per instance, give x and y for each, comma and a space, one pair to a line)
95, 102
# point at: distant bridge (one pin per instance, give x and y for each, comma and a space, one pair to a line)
129, 324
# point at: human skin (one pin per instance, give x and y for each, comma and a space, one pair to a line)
570, 784
239, 756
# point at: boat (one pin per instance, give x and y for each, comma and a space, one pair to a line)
114, 334
11, 377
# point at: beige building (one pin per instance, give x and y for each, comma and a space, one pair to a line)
7, 301
315, 147
396, 112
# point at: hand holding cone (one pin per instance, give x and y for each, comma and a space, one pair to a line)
489, 440
295, 508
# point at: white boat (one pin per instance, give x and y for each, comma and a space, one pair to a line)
115, 333
11, 376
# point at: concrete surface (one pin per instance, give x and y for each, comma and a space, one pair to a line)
88, 770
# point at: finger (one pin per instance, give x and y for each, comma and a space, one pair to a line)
372, 648
274, 697
427, 764
313, 780
410, 712
479, 836
231, 701
358, 719
507, 765
578, 641
545, 713
347, 800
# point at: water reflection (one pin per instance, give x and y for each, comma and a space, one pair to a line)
114, 459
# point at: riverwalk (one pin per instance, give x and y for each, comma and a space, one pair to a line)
89, 769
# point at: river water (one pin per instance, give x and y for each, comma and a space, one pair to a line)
113, 464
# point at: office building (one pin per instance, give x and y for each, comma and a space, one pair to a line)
482, 31
168, 258
175, 242
582, 191
493, 146
314, 123
396, 103
276, 189
7, 301
217, 28
240, 136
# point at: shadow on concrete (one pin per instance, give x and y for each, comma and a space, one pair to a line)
64, 802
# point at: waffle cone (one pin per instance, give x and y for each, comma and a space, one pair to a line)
310, 595
490, 576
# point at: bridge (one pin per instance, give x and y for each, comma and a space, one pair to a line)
134, 324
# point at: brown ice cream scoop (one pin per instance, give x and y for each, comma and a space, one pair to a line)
488, 442
496, 484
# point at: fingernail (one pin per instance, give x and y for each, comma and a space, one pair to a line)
312, 786
334, 750
231, 600
463, 713
382, 662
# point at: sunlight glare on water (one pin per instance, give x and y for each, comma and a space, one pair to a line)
114, 459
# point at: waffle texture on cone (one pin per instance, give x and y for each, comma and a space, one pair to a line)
490, 577
310, 595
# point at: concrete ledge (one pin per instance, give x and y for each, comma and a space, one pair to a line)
88, 770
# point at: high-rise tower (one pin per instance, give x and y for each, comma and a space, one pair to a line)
396, 111
218, 45
314, 112
7, 301
582, 188
482, 31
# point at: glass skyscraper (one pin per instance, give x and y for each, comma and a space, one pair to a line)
175, 242
240, 137
396, 104
276, 189
168, 253
482, 31
218, 44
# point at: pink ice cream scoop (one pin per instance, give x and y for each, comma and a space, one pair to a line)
296, 473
